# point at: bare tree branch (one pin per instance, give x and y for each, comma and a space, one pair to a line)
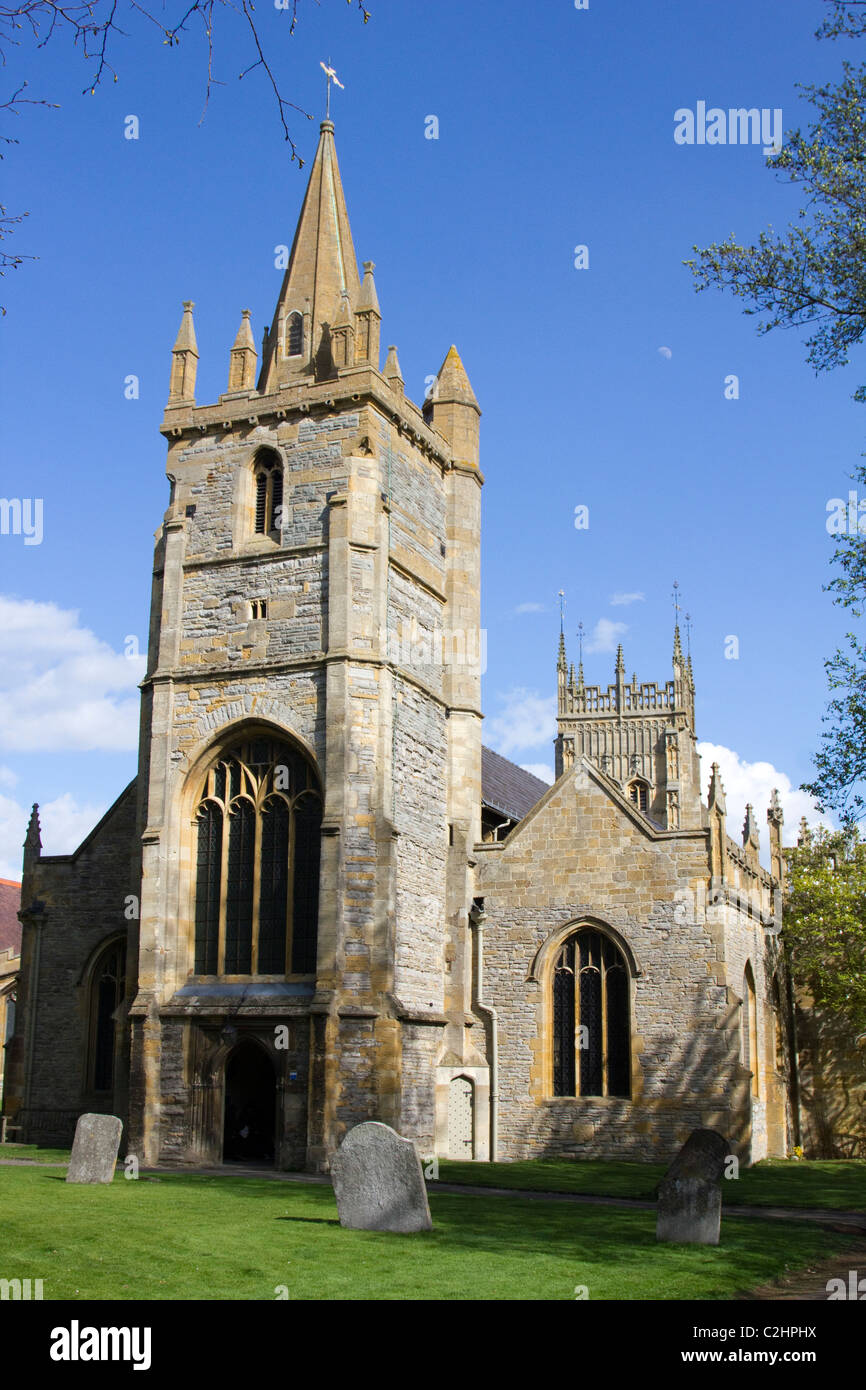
93, 26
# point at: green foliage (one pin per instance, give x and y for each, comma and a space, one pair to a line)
848, 19
825, 921
814, 274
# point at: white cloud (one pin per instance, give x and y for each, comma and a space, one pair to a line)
64, 821
541, 770
8, 778
665, 352
622, 600
62, 687
752, 783
605, 636
527, 720
529, 608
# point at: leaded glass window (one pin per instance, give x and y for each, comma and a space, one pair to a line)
591, 1045
259, 819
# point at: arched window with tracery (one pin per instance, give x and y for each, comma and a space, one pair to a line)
268, 476
259, 819
107, 991
294, 335
591, 1046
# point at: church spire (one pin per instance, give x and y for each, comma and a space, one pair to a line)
322, 268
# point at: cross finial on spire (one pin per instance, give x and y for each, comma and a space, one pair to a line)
676, 601
330, 76
561, 597
580, 643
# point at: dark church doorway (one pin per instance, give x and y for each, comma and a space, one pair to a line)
250, 1106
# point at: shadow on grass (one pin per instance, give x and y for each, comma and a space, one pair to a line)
312, 1220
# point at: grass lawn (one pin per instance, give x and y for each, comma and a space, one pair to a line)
185, 1237
776, 1182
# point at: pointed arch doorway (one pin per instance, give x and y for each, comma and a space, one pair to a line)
250, 1112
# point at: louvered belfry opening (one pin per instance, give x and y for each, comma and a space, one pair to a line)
259, 818
268, 474
591, 1047
295, 335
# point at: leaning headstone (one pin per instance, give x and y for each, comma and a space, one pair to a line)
94, 1149
690, 1193
378, 1181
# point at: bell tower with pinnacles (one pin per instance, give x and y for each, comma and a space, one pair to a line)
317, 516
640, 735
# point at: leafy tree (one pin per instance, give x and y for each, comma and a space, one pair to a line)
825, 921
813, 276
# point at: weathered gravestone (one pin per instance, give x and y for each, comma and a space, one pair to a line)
690, 1193
378, 1181
94, 1149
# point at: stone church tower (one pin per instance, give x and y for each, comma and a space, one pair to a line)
643, 736
312, 692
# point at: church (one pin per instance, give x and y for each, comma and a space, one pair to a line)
322, 901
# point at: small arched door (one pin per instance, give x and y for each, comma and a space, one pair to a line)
461, 1117
249, 1123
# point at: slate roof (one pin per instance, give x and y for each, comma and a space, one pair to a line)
507, 788
10, 927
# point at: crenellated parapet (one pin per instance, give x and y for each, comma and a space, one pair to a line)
640, 733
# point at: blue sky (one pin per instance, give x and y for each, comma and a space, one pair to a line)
555, 130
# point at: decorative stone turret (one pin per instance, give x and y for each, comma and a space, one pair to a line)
391, 371
453, 410
751, 837
368, 319
775, 820
33, 838
184, 360
243, 357
343, 334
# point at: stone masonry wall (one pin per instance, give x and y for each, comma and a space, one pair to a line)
580, 856
419, 817
84, 897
